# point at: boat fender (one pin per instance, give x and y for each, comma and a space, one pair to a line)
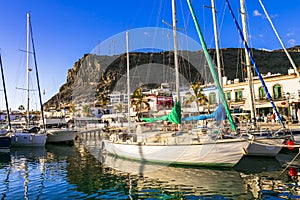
251, 137
293, 173
290, 144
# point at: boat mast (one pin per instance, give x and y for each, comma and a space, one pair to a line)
248, 65
286, 52
27, 65
128, 81
176, 66
213, 9
175, 49
5, 95
37, 78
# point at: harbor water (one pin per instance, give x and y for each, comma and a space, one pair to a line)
83, 171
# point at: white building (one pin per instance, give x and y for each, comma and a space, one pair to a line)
284, 89
118, 97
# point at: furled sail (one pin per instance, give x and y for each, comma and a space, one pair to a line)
174, 116
210, 64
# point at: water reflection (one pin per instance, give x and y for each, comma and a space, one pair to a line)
84, 172
4, 159
185, 182
34, 173
252, 178
254, 165
23, 168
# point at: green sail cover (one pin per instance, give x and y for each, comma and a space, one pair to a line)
174, 116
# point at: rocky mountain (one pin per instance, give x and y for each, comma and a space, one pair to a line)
92, 75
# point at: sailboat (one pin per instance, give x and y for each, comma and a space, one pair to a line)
177, 147
5, 140
58, 131
295, 133
264, 142
31, 136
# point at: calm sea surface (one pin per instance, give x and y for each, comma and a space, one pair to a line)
83, 172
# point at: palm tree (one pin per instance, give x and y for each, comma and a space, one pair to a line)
72, 109
188, 99
21, 107
119, 108
200, 97
139, 100
102, 100
87, 110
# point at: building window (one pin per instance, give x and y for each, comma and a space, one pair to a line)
228, 96
262, 93
239, 95
212, 98
277, 91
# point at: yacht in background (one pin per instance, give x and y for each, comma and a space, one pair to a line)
58, 131
30, 136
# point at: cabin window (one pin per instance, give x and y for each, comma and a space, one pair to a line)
277, 91
262, 93
228, 96
238, 95
212, 98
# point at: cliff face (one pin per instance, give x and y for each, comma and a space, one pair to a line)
86, 79
267, 61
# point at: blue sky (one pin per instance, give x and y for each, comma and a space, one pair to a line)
65, 30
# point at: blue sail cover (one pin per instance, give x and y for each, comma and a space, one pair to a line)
219, 115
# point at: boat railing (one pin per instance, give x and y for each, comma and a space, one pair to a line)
165, 138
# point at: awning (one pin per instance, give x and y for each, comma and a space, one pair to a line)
264, 105
258, 105
282, 104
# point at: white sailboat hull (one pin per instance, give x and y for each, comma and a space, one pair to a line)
19, 139
225, 152
268, 147
60, 135
296, 135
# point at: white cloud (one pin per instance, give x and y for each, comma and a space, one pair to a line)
290, 34
256, 13
292, 41
260, 35
273, 16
